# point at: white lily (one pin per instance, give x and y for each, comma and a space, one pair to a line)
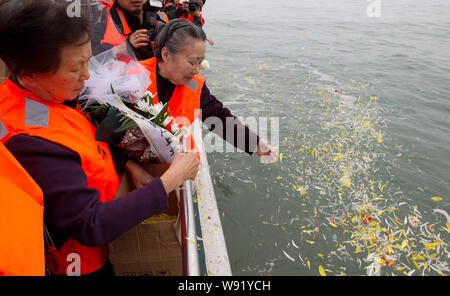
155, 109
145, 103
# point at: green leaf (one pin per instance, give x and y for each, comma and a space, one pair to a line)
164, 117
126, 126
157, 119
98, 109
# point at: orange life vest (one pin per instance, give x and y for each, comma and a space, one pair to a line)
191, 18
24, 113
112, 34
185, 101
21, 220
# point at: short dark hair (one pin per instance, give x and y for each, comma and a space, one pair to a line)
173, 36
33, 32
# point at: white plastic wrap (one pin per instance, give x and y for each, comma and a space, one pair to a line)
129, 80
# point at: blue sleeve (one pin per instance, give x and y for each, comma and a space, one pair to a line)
70, 205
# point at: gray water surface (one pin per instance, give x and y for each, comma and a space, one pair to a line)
364, 131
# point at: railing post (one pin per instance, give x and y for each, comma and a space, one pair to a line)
189, 233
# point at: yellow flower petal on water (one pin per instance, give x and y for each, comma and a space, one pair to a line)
279, 178
309, 264
379, 137
321, 271
418, 257
431, 246
436, 198
346, 181
440, 273
338, 156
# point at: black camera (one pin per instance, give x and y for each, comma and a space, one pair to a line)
194, 6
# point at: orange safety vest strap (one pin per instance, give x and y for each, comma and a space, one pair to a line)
185, 101
191, 18
21, 220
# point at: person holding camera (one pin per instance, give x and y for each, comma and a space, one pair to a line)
136, 22
193, 10
189, 10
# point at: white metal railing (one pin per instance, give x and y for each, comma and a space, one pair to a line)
215, 248
189, 242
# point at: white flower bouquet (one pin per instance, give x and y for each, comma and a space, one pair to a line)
118, 103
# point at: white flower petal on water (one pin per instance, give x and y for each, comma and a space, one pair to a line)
289, 257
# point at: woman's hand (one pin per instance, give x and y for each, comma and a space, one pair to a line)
139, 38
183, 167
138, 174
210, 41
266, 152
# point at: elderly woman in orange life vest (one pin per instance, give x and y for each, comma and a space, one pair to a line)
48, 52
179, 50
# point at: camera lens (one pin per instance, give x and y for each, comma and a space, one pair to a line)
193, 6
